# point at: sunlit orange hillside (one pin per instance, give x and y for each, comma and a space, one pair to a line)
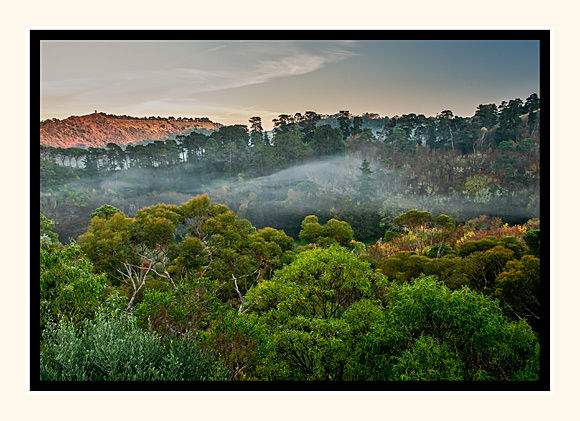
98, 129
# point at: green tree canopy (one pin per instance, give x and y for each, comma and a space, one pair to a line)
47, 236
334, 231
105, 212
518, 289
413, 219
313, 310
164, 244
431, 333
532, 239
69, 287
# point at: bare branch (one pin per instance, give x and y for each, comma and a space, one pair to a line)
241, 309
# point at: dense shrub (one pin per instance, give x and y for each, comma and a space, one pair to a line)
113, 348
429, 332
68, 286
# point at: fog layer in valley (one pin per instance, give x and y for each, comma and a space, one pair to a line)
329, 187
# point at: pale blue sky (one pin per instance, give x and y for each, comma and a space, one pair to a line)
231, 81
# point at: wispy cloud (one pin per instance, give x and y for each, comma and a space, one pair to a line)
219, 47
174, 83
202, 80
299, 64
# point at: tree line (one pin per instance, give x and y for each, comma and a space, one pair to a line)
250, 150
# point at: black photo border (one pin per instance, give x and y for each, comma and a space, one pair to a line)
36, 36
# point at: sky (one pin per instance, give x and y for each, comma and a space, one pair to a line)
231, 81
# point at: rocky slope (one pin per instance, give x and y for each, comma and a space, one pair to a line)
98, 129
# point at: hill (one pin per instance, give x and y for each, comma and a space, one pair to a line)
98, 129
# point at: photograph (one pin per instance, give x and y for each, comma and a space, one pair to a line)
290, 210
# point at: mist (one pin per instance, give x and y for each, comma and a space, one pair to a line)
329, 187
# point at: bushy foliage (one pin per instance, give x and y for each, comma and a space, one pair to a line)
402, 267
240, 342
178, 312
518, 289
333, 232
331, 279
532, 239
487, 243
305, 311
107, 243
48, 238
431, 333
440, 250
69, 288
164, 244
105, 211
417, 331
413, 219
113, 348
428, 359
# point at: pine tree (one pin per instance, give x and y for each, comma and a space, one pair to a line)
365, 180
